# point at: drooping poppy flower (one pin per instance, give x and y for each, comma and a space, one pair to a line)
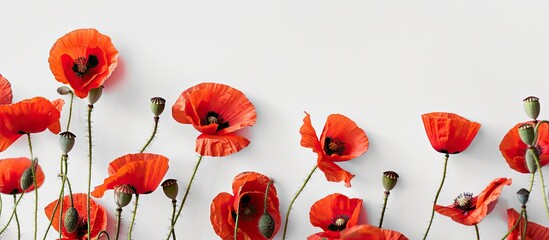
217, 111
360, 232
11, 170
469, 210
248, 199
142, 171
28, 116
98, 217
448, 132
341, 140
84, 59
334, 213
513, 149
534, 231
6, 95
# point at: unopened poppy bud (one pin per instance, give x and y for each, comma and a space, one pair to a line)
66, 141
157, 105
123, 195
531, 107
389, 180
523, 195
27, 178
170, 188
531, 155
266, 225
64, 90
526, 133
71, 219
95, 94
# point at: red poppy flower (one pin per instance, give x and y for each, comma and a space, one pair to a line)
11, 170
469, 210
98, 217
534, 231
248, 196
28, 116
341, 140
333, 214
448, 132
217, 111
142, 171
513, 149
360, 232
84, 59
5, 91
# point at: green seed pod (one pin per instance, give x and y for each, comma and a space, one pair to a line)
66, 141
389, 180
64, 90
27, 179
531, 107
71, 219
266, 225
526, 133
170, 188
530, 157
523, 195
95, 94
123, 195
157, 105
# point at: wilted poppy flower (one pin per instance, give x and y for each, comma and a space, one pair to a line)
28, 116
142, 171
513, 149
6, 95
334, 213
84, 59
469, 210
341, 140
248, 197
11, 170
448, 132
98, 217
360, 232
217, 111
534, 231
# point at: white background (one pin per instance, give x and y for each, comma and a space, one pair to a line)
381, 63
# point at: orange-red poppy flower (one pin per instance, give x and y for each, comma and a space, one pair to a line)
534, 231
6, 95
248, 199
360, 232
513, 149
334, 213
469, 210
341, 140
217, 111
448, 132
84, 59
98, 217
11, 170
142, 171
28, 116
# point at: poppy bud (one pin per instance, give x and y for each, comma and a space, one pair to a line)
266, 225
71, 219
64, 90
531, 156
526, 133
170, 188
66, 141
531, 107
27, 178
95, 94
389, 180
523, 195
123, 195
157, 105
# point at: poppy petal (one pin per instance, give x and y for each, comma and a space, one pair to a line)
6, 96
221, 211
360, 232
513, 149
324, 211
334, 173
329, 235
220, 145
11, 170
533, 231
308, 136
449, 132
354, 138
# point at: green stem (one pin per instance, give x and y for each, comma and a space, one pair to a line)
70, 111
384, 207
12, 213
174, 208
35, 186
446, 156
266, 196
536, 158
152, 135
59, 203
133, 216
295, 197
531, 181
118, 219
174, 221
517, 222
103, 233
476, 230
90, 108
523, 234
16, 218
236, 223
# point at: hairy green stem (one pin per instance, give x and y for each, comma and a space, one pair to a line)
236, 223
295, 197
523, 234
517, 222
90, 157
12, 213
385, 198
118, 219
70, 111
16, 218
174, 208
446, 156
133, 216
103, 233
152, 135
35, 186
536, 158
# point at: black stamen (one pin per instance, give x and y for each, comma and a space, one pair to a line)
334, 146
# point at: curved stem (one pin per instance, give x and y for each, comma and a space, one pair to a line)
174, 208
90, 108
517, 222
118, 219
59, 203
184, 197
133, 216
152, 135
35, 186
536, 158
16, 218
70, 111
103, 233
266, 196
531, 181
384, 207
12, 213
295, 197
446, 156
476, 230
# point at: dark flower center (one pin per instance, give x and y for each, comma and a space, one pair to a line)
82, 66
82, 229
334, 146
464, 202
214, 118
247, 211
339, 223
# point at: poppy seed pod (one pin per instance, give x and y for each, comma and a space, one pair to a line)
71, 219
66, 141
526, 133
523, 195
266, 225
531, 155
531, 107
157, 105
389, 180
27, 178
170, 188
64, 90
95, 94
123, 195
